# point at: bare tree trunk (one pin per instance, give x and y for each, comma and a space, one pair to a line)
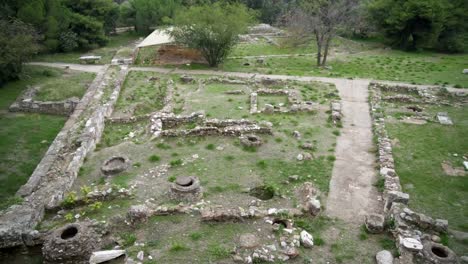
319, 48
325, 52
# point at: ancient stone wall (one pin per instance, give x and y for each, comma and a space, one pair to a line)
26, 103
416, 234
58, 169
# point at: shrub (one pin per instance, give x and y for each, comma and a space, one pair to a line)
176, 162
154, 158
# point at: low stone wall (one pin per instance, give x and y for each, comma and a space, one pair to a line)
58, 169
416, 234
26, 103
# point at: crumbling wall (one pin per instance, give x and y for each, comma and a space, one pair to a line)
416, 234
26, 103
58, 169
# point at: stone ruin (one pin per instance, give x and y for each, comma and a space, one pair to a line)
26, 103
336, 114
162, 122
55, 174
250, 140
417, 235
418, 94
295, 104
444, 119
186, 189
115, 164
71, 244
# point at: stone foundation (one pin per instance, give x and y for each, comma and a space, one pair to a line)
59, 167
26, 103
412, 231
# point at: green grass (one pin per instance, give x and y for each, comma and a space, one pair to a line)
356, 59
24, 137
73, 84
107, 52
140, 95
418, 158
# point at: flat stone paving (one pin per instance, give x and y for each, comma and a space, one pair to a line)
352, 195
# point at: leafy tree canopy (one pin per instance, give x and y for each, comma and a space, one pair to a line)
414, 24
17, 40
212, 28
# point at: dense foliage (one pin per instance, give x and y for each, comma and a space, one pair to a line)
213, 29
415, 24
64, 25
146, 14
18, 43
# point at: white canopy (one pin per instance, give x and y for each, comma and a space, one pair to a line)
157, 37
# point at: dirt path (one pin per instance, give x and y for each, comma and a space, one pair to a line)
352, 194
76, 67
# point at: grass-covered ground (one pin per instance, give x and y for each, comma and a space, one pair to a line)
60, 85
24, 138
226, 171
107, 52
419, 151
348, 59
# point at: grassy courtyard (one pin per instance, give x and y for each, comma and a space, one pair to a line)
420, 150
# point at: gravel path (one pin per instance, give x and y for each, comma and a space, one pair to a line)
76, 67
352, 195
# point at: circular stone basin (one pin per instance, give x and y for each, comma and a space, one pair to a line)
115, 165
262, 192
439, 251
69, 232
184, 181
189, 184
251, 140
281, 222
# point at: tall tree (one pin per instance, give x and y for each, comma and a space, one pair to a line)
146, 14
18, 42
213, 29
410, 24
319, 19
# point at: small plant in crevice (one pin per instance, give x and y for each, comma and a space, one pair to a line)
380, 184
171, 178
163, 146
363, 234
176, 162
262, 164
177, 247
128, 239
210, 147
154, 158
69, 217
70, 199
195, 236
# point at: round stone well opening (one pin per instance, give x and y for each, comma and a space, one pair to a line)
250, 140
69, 232
115, 165
184, 181
262, 192
186, 189
439, 251
281, 222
